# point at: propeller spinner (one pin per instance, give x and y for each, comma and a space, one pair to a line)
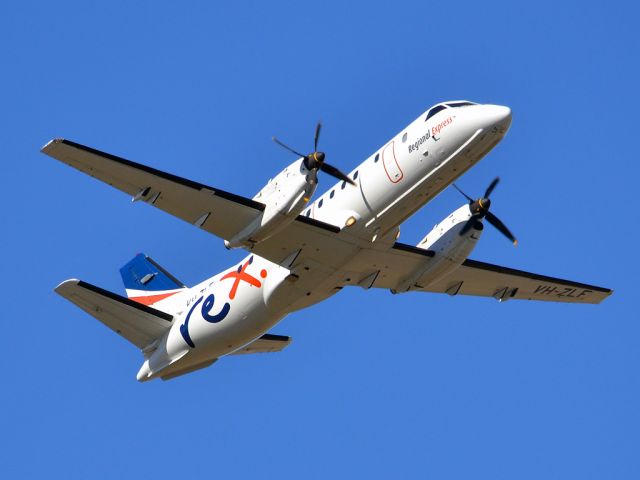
480, 209
316, 159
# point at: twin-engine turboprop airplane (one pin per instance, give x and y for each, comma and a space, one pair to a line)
301, 253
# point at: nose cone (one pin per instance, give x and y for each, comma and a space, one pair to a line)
497, 116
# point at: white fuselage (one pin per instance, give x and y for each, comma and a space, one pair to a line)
231, 309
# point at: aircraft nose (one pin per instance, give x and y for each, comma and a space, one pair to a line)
497, 116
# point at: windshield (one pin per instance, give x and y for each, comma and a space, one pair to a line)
434, 110
460, 104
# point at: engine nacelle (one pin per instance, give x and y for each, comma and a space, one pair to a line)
450, 248
285, 196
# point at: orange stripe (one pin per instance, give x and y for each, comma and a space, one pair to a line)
151, 299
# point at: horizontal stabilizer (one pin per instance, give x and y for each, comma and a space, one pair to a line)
265, 344
138, 323
189, 369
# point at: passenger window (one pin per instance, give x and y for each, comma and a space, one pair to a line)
332, 194
355, 175
344, 184
434, 110
375, 160
308, 213
320, 203
404, 137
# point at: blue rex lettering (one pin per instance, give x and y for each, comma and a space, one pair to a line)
205, 311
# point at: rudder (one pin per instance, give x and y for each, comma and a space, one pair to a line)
147, 282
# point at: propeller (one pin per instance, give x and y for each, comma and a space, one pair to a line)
316, 159
480, 209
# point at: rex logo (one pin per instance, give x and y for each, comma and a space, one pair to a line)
240, 275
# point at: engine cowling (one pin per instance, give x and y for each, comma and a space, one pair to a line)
284, 196
449, 246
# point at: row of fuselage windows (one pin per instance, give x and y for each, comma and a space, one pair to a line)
431, 113
333, 192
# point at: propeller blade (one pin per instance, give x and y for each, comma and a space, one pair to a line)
470, 223
334, 172
316, 138
495, 221
491, 187
287, 147
463, 194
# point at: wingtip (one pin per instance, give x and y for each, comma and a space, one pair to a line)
61, 285
50, 143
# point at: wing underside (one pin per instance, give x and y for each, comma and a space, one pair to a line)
222, 213
487, 280
216, 211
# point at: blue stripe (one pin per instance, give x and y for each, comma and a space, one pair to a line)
142, 273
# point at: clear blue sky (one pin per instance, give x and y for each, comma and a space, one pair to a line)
374, 385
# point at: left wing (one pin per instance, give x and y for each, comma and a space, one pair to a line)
486, 280
219, 212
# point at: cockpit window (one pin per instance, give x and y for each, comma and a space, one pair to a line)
434, 110
459, 104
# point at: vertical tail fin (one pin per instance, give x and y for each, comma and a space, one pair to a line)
147, 282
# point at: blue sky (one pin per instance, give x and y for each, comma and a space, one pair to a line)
374, 385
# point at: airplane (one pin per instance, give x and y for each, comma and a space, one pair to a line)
302, 252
